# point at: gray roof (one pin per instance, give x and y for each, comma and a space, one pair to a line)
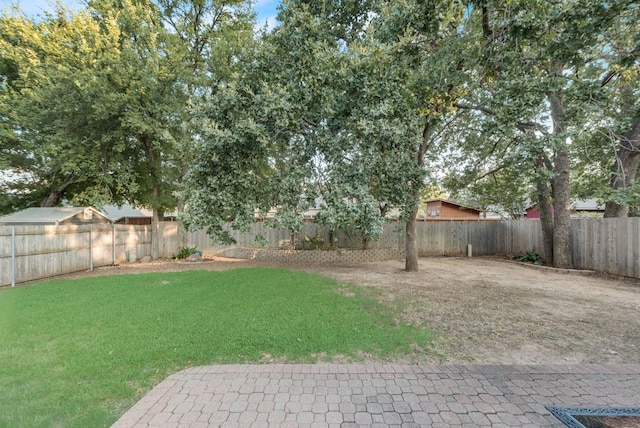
114, 212
586, 205
45, 215
447, 201
578, 205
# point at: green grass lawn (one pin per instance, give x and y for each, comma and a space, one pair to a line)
81, 352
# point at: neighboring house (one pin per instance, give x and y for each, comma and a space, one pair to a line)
55, 216
173, 216
497, 212
126, 214
579, 208
586, 208
443, 209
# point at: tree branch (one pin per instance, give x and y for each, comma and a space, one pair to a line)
521, 125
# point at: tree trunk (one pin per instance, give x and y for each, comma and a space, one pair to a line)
562, 211
155, 235
625, 169
181, 232
546, 213
561, 189
55, 195
53, 198
365, 242
411, 245
155, 224
158, 214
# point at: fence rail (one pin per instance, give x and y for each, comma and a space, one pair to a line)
605, 245
32, 252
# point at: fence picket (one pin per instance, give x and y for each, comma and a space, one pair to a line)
33, 252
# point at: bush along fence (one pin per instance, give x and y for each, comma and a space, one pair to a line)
32, 252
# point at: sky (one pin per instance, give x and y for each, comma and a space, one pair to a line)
266, 9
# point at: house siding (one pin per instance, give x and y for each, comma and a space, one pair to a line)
78, 220
447, 210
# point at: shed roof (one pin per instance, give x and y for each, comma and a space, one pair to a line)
446, 201
51, 215
586, 205
578, 205
114, 212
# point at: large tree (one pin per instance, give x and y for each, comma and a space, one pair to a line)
342, 101
97, 101
93, 103
621, 85
538, 95
48, 96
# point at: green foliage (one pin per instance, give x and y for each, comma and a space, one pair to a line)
549, 112
314, 242
529, 257
185, 252
96, 100
331, 111
174, 103
80, 353
432, 191
92, 96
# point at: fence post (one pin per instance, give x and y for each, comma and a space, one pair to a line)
13, 256
91, 247
113, 244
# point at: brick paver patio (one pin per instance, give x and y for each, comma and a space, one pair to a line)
380, 395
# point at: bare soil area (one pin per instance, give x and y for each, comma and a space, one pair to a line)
486, 310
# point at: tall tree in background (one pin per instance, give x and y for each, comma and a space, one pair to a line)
145, 99
342, 101
433, 42
208, 36
49, 94
97, 100
93, 103
622, 56
539, 93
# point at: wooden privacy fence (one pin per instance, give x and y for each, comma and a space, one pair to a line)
33, 252
605, 245
609, 245
434, 238
277, 237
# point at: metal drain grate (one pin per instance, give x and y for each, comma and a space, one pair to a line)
596, 417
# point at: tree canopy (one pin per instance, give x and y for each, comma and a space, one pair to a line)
350, 106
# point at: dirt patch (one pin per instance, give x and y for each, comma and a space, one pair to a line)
486, 310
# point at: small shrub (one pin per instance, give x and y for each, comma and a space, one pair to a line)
529, 256
186, 252
314, 243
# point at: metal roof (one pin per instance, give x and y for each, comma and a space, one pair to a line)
51, 215
114, 212
447, 201
578, 205
586, 205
